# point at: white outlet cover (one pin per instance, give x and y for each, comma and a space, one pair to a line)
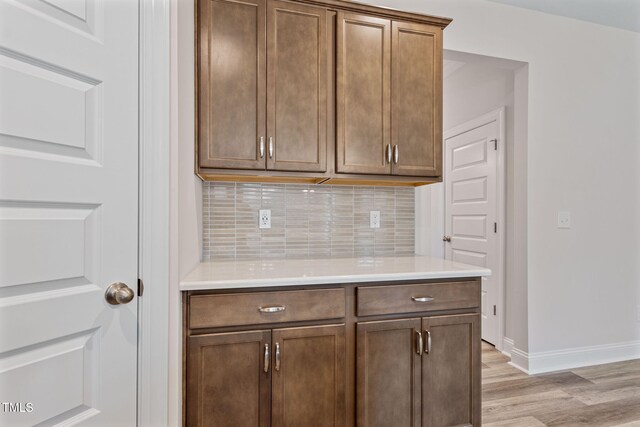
374, 219
564, 219
264, 218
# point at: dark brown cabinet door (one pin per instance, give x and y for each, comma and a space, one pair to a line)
231, 83
296, 87
416, 132
363, 94
226, 380
388, 373
451, 371
309, 376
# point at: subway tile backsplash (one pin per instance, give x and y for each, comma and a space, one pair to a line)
306, 220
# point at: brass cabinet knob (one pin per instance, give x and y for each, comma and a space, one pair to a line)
118, 293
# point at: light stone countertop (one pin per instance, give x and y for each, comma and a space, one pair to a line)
322, 271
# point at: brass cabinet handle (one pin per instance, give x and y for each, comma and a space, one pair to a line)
396, 154
272, 309
427, 349
389, 153
277, 356
266, 358
419, 343
271, 147
422, 299
261, 146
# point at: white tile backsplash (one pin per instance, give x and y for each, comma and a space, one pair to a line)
306, 220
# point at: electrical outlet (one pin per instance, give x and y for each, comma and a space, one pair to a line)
564, 220
374, 219
264, 219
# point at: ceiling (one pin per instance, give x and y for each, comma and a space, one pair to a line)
623, 14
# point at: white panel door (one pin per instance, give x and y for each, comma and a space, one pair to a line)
68, 211
471, 211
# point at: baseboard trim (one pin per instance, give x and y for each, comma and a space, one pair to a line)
507, 346
520, 360
578, 357
571, 358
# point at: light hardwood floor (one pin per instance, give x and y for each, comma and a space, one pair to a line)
605, 395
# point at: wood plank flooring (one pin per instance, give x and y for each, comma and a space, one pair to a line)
605, 395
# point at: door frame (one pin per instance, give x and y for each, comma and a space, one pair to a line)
154, 404
498, 116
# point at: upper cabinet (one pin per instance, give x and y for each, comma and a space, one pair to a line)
296, 87
363, 94
231, 69
389, 102
416, 99
315, 91
262, 93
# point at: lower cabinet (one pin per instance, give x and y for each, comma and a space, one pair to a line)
308, 377
226, 380
419, 372
350, 359
388, 373
278, 377
451, 371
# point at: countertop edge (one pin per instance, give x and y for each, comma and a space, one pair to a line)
192, 285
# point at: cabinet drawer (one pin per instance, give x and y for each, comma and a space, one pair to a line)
415, 298
254, 308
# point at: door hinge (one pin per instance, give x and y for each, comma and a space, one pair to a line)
140, 287
494, 310
495, 144
495, 227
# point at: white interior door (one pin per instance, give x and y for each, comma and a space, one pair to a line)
470, 177
68, 211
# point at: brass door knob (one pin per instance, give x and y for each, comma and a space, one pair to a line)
118, 293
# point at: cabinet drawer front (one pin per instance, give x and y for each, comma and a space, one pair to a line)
416, 298
210, 311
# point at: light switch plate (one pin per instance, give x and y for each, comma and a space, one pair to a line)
564, 220
374, 219
264, 219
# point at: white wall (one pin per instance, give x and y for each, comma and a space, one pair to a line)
190, 186
429, 205
517, 327
186, 188
481, 86
583, 155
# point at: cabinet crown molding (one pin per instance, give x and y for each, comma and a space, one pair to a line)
381, 11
